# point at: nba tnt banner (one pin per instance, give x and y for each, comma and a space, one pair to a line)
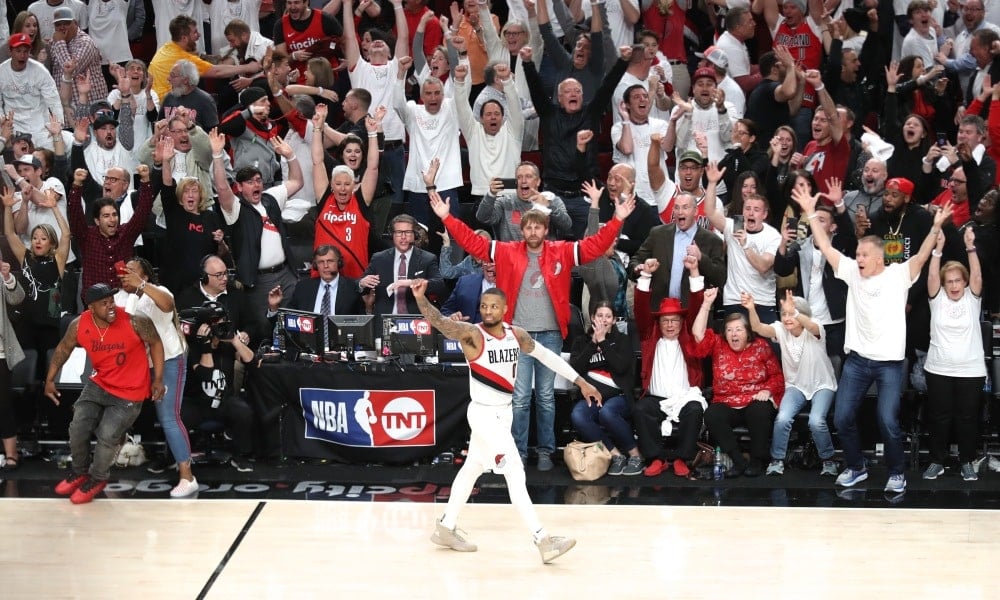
369, 418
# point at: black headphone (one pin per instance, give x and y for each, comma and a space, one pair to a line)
203, 277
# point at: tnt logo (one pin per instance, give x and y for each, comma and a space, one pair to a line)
300, 323
414, 326
369, 418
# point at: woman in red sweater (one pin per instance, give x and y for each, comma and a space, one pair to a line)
747, 387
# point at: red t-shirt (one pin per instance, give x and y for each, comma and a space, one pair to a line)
959, 210
118, 355
828, 160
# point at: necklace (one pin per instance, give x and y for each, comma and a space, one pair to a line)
99, 332
900, 224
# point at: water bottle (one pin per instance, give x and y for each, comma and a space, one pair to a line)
278, 337
988, 385
350, 347
718, 470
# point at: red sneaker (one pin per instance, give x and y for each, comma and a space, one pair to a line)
681, 468
70, 484
655, 468
86, 492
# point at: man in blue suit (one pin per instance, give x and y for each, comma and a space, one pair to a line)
463, 304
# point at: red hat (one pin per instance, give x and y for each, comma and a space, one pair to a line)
670, 306
704, 72
18, 39
901, 184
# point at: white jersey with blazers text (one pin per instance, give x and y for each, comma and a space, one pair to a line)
491, 373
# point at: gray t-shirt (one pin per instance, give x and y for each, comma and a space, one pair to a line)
534, 310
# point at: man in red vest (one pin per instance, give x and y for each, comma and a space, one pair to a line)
114, 392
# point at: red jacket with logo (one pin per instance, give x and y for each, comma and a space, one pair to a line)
556, 262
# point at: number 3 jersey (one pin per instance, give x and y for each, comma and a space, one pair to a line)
118, 355
491, 374
347, 230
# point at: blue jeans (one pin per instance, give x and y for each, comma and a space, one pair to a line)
791, 403
855, 379
530, 371
104, 416
168, 410
608, 424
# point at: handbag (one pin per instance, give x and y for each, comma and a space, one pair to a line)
586, 461
705, 457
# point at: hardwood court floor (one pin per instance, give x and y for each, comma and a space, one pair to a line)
181, 549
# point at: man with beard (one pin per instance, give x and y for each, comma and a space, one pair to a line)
863, 202
193, 151
260, 244
300, 29
184, 35
750, 251
708, 113
107, 241
690, 168
121, 348
102, 151
28, 92
494, 350
674, 245
961, 189
184, 92
245, 45
494, 142
503, 209
535, 274
71, 45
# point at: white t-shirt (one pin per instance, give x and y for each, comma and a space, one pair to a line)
271, 252
431, 136
956, 348
380, 81
741, 274
222, 13
109, 30
737, 53
735, 96
257, 46
876, 310
46, 13
640, 150
804, 360
817, 295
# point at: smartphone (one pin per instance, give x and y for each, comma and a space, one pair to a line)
861, 211
738, 223
120, 268
509, 184
792, 223
942, 140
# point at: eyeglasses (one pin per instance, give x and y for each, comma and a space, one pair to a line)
956, 180
219, 275
178, 130
787, 314
402, 232
112, 178
512, 33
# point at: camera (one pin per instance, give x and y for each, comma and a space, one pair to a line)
211, 313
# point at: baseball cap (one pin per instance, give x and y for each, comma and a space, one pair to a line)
99, 291
63, 13
105, 119
29, 159
704, 72
714, 55
901, 184
18, 39
693, 156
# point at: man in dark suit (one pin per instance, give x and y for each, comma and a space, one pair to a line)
390, 271
463, 304
344, 296
669, 244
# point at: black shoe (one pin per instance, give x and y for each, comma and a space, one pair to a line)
755, 468
242, 464
736, 470
160, 465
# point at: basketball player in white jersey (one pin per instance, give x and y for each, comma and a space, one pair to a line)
492, 348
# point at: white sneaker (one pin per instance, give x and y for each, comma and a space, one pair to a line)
184, 488
552, 547
451, 538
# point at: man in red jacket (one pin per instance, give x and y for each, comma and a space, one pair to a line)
535, 274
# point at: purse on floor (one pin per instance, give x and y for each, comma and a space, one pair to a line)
586, 461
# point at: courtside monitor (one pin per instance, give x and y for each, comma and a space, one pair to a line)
450, 351
407, 336
303, 332
354, 333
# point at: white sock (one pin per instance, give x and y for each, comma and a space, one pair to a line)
540, 535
